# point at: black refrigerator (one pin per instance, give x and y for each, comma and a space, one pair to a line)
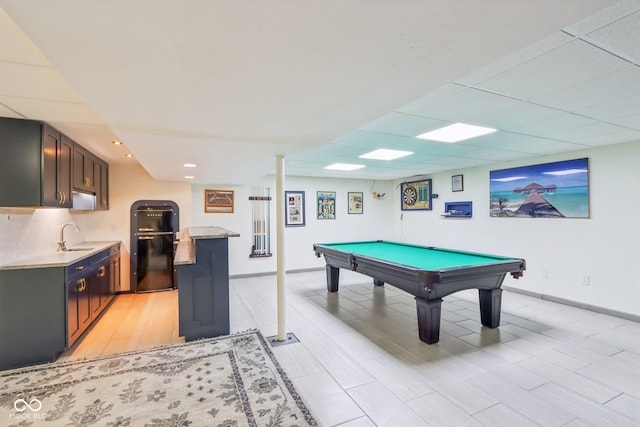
155, 249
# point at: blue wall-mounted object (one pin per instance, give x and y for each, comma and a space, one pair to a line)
458, 209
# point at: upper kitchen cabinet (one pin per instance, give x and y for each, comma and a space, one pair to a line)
84, 170
35, 166
102, 190
40, 166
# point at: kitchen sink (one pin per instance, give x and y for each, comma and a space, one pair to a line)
77, 249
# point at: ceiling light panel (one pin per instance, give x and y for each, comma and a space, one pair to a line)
456, 132
385, 154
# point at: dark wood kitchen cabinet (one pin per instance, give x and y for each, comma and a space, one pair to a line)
40, 166
84, 170
89, 291
78, 299
114, 273
91, 175
35, 166
44, 311
102, 188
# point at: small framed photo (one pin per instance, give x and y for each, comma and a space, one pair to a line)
355, 202
457, 183
294, 208
218, 201
326, 205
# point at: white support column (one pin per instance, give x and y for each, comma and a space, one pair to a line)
280, 204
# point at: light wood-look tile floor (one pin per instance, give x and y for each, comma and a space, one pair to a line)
359, 361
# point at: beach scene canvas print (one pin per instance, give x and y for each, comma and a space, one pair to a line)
548, 190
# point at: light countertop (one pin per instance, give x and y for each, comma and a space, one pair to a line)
59, 258
186, 251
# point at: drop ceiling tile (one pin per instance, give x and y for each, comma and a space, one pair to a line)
532, 51
499, 140
507, 119
603, 18
431, 98
621, 37
632, 121
365, 141
403, 124
494, 155
8, 112
542, 146
461, 162
35, 82
50, 111
604, 88
614, 111
560, 121
16, 47
570, 64
465, 106
597, 134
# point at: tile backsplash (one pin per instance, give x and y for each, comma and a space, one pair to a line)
28, 232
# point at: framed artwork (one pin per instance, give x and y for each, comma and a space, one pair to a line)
294, 208
457, 183
416, 195
218, 201
326, 204
355, 202
548, 190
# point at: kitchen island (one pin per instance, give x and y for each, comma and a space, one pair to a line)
202, 265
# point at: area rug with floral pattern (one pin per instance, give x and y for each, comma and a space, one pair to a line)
225, 381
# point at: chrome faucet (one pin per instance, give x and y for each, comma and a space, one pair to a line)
62, 244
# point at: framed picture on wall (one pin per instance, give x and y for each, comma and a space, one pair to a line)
457, 183
547, 190
326, 204
294, 208
218, 201
416, 195
355, 202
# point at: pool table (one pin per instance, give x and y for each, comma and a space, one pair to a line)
426, 272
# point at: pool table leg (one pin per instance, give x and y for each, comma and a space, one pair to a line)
429, 319
333, 274
490, 306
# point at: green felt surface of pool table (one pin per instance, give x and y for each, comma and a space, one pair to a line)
425, 258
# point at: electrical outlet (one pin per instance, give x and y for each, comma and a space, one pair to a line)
584, 280
544, 274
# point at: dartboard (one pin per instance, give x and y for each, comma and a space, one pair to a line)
410, 196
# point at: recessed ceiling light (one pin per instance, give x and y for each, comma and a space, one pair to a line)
189, 177
189, 165
117, 142
456, 132
343, 167
129, 155
385, 154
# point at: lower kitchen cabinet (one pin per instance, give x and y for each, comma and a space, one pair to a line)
32, 316
44, 311
89, 290
79, 283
